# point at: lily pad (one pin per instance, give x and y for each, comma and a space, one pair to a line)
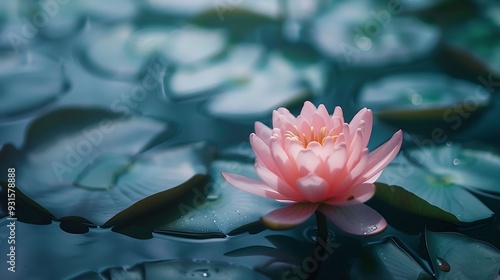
452, 255
471, 166
176, 269
424, 102
47, 83
236, 67
149, 181
123, 51
91, 163
349, 34
437, 187
61, 19
179, 8
387, 260
483, 43
456, 256
215, 210
240, 17
279, 82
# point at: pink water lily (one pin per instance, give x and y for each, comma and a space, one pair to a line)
318, 163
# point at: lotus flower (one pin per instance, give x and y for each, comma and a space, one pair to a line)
317, 162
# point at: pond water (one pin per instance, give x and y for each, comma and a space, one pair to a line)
119, 118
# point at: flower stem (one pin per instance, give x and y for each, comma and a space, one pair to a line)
322, 228
322, 235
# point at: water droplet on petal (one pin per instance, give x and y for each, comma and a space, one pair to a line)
443, 265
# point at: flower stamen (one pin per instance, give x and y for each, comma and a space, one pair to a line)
315, 135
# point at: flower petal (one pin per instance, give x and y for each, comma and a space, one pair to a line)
292, 147
263, 131
355, 195
307, 110
339, 114
289, 216
276, 183
381, 157
307, 162
356, 219
286, 169
317, 122
338, 158
351, 176
252, 186
312, 187
284, 120
364, 120
323, 112
262, 152
355, 149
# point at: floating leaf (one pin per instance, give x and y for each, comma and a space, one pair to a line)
429, 194
475, 168
65, 18
438, 105
240, 18
176, 269
47, 83
387, 260
279, 82
215, 210
483, 42
349, 33
90, 164
456, 256
235, 67
403, 199
124, 51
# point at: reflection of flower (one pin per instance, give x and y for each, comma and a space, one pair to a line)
318, 162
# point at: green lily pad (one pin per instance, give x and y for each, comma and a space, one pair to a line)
91, 163
424, 102
123, 51
151, 180
47, 83
279, 82
408, 201
473, 167
235, 67
215, 210
179, 8
452, 255
433, 195
240, 18
61, 19
176, 269
387, 260
349, 34
456, 256
483, 42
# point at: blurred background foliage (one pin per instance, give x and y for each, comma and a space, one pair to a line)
120, 115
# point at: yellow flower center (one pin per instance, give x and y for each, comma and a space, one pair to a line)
311, 136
